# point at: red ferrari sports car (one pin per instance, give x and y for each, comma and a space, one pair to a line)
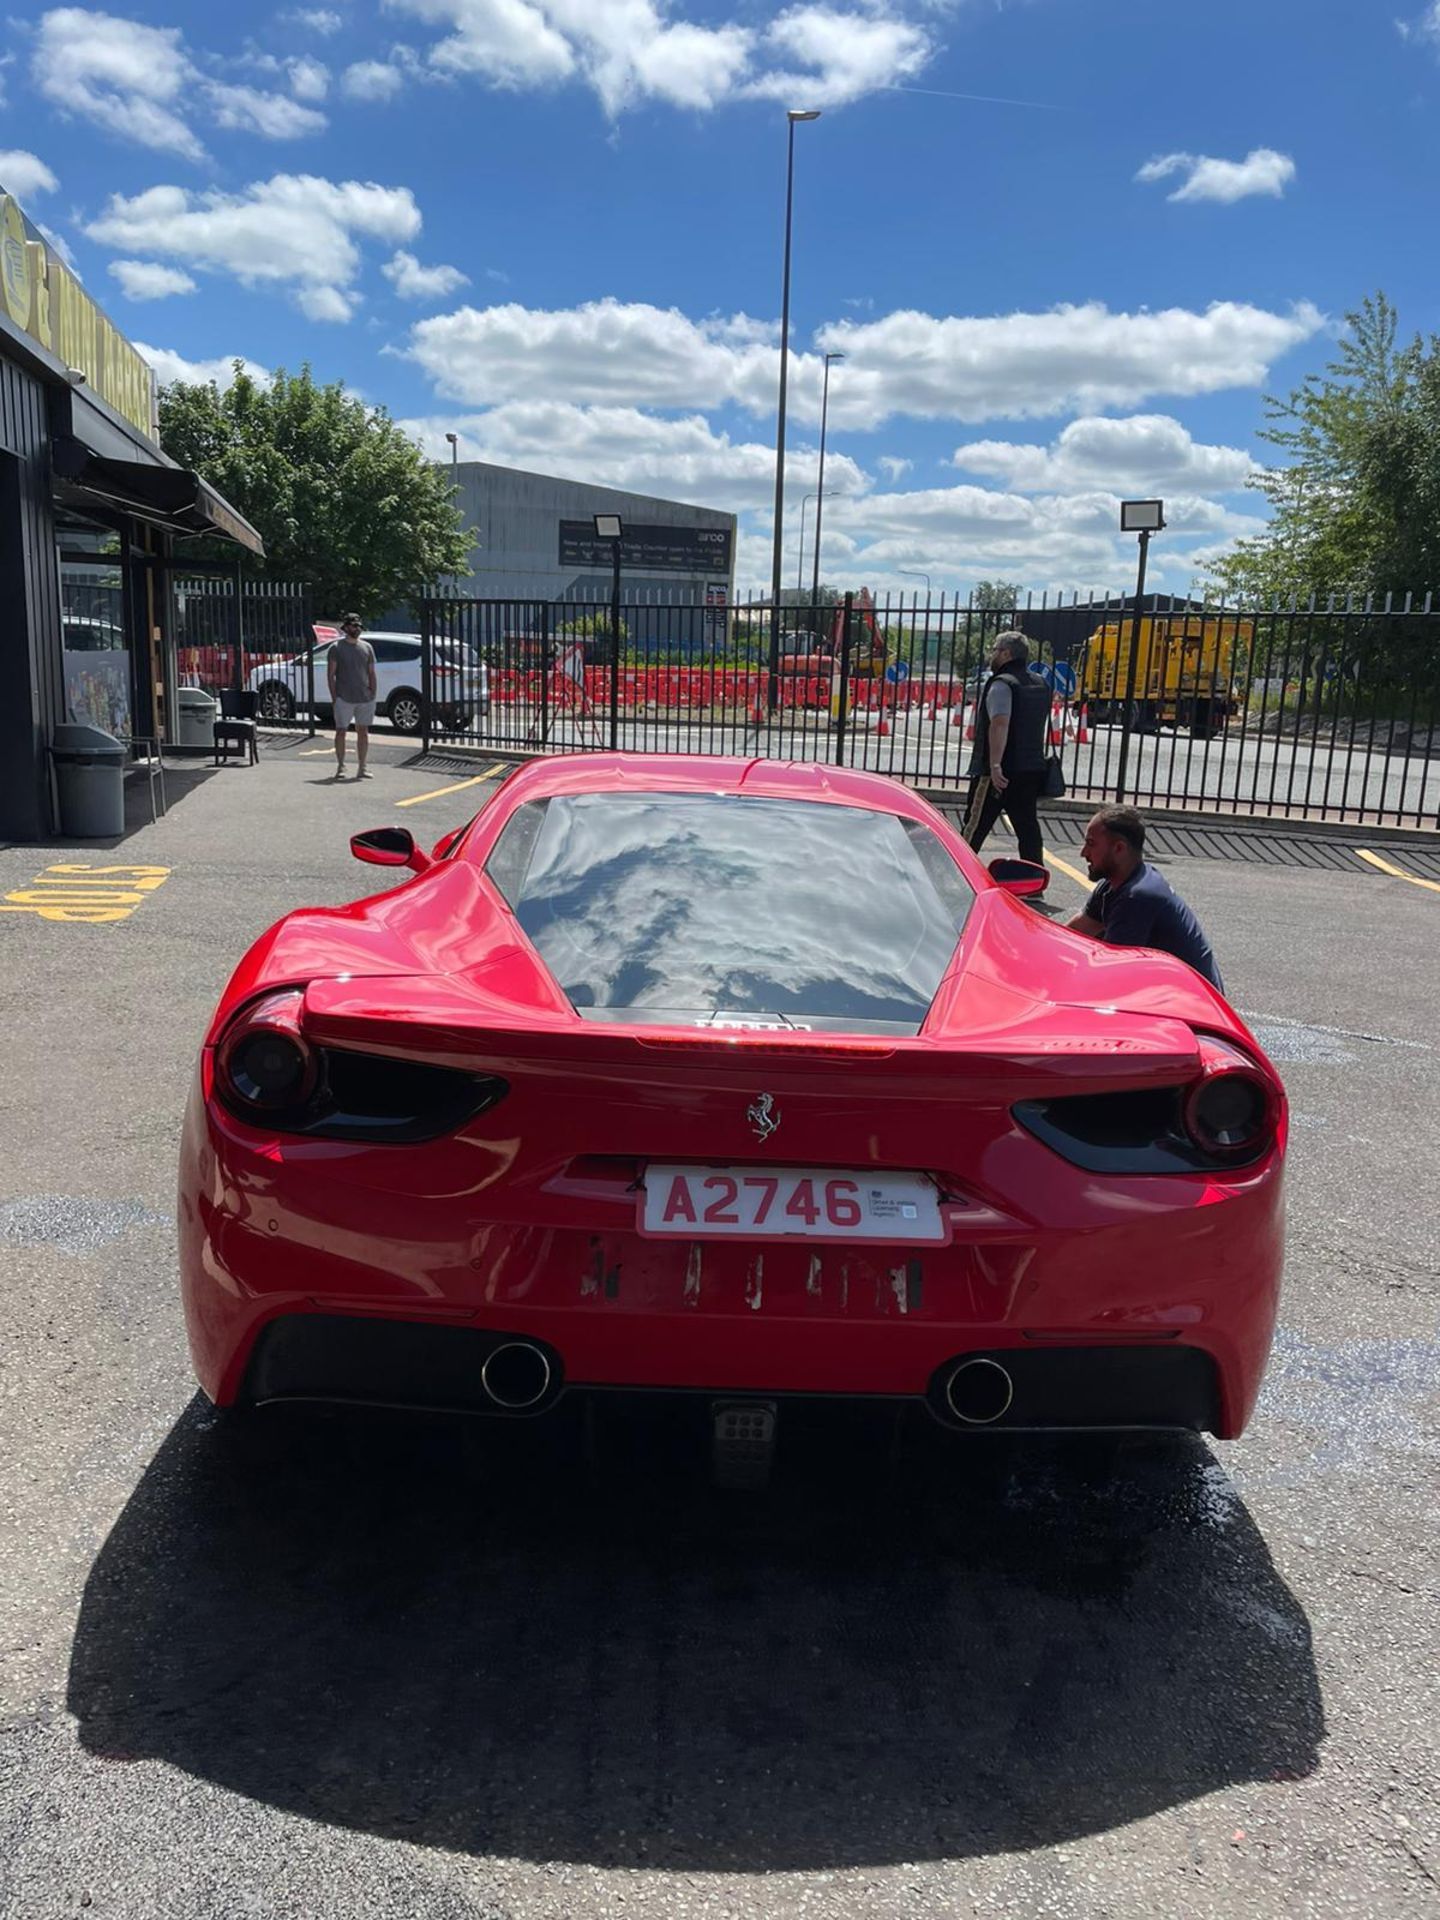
731, 1078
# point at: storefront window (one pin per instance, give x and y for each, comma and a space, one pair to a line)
92, 615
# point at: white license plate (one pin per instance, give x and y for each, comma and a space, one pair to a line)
791, 1203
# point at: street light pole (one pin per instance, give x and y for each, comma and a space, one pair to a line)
1141, 517
610, 527
800, 556
820, 496
773, 690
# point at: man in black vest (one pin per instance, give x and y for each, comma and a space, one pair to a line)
1007, 768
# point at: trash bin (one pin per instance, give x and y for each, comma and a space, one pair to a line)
195, 717
90, 773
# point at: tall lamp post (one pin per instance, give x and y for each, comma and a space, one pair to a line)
793, 115
1142, 517
609, 527
800, 556
820, 496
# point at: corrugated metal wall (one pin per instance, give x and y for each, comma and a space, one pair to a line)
33, 697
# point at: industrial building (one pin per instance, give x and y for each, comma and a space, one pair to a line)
535, 543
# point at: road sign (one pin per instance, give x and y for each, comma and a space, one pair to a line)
898, 672
1062, 679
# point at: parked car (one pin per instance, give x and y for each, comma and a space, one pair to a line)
628, 1085
460, 683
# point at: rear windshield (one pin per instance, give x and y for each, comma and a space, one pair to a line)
723, 910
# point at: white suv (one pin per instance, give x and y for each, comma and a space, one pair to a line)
459, 683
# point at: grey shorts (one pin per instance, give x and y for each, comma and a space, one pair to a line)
354, 713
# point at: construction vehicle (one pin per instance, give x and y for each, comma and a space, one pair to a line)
1184, 672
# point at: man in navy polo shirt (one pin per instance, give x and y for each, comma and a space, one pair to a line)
1134, 905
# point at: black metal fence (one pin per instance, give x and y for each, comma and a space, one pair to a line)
1329, 711
247, 633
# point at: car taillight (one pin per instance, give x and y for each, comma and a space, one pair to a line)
264, 1066
267, 1072
1230, 1111
1228, 1115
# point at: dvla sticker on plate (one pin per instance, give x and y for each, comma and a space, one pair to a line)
791, 1203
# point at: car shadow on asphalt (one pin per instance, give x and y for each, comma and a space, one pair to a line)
978, 1646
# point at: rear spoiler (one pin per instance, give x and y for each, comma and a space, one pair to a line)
441, 1021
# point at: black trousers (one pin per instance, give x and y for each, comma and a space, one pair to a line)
1018, 803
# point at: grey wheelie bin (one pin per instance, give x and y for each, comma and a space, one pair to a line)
90, 776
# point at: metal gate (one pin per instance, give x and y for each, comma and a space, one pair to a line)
230, 632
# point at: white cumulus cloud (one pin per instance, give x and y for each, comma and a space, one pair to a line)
321, 20
275, 116
414, 282
1148, 452
171, 366
309, 79
295, 230
628, 51
25, 174
970, 368
140, 83
130, 79
149, 280
826, 57
683, 459
1262, 171
374, 81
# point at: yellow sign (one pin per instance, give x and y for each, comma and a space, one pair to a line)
14, 264
41, 295
92, 895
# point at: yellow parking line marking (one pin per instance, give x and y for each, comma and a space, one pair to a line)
455, 786
1054, 860
1398, 872
309, 753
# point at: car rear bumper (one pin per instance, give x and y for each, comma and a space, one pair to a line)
301, 1281
356, 1359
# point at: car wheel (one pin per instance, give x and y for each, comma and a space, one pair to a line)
275, 702
403, 710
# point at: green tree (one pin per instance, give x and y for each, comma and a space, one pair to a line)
343, 499
995, 596
1355, 498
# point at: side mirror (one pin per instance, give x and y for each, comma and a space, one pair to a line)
1023, 878
389, 847
443, 845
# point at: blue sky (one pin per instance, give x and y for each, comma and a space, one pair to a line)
554, 227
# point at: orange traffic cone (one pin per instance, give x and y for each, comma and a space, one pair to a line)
1057, 725
883, 727
970, 724
1082, 730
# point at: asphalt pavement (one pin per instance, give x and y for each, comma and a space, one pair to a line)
366, 1666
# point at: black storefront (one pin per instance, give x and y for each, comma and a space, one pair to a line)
92, 515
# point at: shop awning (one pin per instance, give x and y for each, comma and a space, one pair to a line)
171, 496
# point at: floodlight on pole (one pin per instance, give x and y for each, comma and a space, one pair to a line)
1141, 517
793, 116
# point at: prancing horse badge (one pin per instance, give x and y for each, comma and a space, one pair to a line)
763, 1117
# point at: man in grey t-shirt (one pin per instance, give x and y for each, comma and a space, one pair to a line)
353, 686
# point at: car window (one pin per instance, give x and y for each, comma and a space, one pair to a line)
699, 907
389, 651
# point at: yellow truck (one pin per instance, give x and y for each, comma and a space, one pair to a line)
1184, 672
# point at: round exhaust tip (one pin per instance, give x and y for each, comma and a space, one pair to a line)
516, 1376
979, 1391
